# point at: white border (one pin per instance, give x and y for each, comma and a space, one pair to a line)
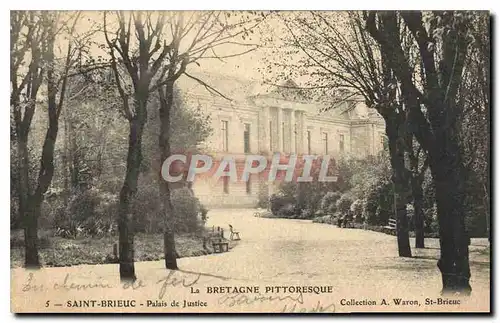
200, 5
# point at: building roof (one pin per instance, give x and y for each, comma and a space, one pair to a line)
240, 90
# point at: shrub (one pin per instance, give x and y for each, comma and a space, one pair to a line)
288, 189
90, 212
328, 202
145, 208
344, 204
279, 201
328, 219
187, 212
93, 212
287, 211
357, 210
307, 214
186, 208
371, 205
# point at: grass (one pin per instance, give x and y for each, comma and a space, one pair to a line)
61, 252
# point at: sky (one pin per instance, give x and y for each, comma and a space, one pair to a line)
243, 66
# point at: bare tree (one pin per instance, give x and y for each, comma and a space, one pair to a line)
443, 43
28, 37
164, 44
194, 38
33, 39
131, 52
344, 64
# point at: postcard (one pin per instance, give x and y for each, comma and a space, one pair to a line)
250, 161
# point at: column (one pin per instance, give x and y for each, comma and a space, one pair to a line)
293, 131
301, 133
264, 139
280, 129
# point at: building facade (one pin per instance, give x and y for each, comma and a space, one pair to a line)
259, 119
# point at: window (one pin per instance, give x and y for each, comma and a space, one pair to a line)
224, 130
249, 185
294, 134
225, 184
270, 135
308, 142
283, 135
383, 142
246, 138
341, 143
324, 139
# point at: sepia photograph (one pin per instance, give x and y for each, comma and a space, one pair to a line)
250, 162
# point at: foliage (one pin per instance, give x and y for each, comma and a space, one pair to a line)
328, 219
357, 208
186, 209
61, 252
278, 201
328, 202
189, 124
91, 213
344, 204
288, 211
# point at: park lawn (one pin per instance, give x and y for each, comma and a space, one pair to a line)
62, 252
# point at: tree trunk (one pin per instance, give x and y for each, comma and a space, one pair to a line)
396, 150
404, 249
166, 103
30, 218
27, 207
45, 176
27, 216
127, 194
418, 200
453, 238
66, 172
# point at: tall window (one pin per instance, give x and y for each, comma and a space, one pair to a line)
294, 134
283, 141
324, 139
341, 143
270, 135
249, 185
225, 184
383, 142
308, 142
224, 130
246, 138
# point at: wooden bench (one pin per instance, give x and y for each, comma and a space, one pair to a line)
219, 246
391, 226
235, 235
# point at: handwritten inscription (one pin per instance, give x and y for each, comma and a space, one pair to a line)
170, 280
318, 308
70, 283
30, 285
231, 300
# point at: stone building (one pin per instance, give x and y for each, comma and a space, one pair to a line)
263, 119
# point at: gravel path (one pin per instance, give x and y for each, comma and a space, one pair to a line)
358, 264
